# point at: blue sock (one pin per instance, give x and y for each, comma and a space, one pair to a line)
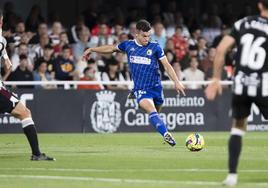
157, 122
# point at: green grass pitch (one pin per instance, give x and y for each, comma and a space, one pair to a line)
129, 161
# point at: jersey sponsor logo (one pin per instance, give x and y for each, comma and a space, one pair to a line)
149, 52
139, 93
140, 60
105, 113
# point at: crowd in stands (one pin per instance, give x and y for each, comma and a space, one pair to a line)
44, 51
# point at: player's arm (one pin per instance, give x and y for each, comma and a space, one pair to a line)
172, 75
105, 49
215, 87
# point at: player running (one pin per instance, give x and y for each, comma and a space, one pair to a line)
9, 103
143, 56
251, 78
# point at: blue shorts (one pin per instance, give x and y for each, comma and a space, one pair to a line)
155, 93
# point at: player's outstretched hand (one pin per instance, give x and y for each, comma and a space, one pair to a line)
213, 89
180, 88
86, 54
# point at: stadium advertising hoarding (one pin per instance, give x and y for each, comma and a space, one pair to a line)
111, 111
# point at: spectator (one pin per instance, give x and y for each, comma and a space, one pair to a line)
101, 26
74, 30
83, 43
202, 51
193, 74
103, 37
170, 46
207, 66
41, 74
112, 74
170, 30
122, 37
121, 58
63, 65
90, 75
39, 48
180, 43
224, 31
132, 30
159, 35
55, 34
19, 31
42, 30
118, 29
177, 68
63, 41
48, 58
195, 34
207, 63
22, 50
171, 59
212, 24
22, 73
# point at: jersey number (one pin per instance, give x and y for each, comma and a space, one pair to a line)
253, 54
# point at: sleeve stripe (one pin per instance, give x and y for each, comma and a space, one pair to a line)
162, 57
118, 48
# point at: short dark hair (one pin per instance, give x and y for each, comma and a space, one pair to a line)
86, 69
90, 61
179, 27
143, 25
66, 47
264, 3
48, 46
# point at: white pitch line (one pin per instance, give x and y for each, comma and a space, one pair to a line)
132, 170
111, 180
121, 180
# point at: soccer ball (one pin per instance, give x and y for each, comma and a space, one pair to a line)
195, 142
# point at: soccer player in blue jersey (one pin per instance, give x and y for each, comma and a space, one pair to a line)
143, 56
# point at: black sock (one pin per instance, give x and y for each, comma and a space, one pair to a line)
31, 135
235, 145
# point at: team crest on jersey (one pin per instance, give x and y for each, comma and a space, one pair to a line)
105, 113
149, 52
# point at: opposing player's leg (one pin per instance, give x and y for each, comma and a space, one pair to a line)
241, 109
234, 147
24, 114
147, 104
11, 104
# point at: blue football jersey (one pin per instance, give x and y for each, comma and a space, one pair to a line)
143, 63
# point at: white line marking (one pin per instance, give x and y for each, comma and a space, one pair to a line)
111, 180
133, 170
120, 180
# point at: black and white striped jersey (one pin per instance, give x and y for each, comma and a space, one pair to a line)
3, 44
251, 61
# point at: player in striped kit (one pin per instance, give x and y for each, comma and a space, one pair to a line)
143, 56
9, 103
250, 35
